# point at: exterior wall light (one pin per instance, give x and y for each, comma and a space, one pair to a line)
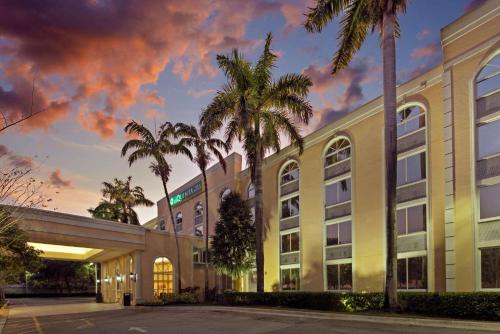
133, 277
118, 278
106, 280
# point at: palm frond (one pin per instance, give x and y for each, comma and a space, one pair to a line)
318, 17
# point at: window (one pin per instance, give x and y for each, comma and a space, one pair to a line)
198, 231
290, 279
290, 173
412, 219
338, 192
178, 221
290, 242
198, 209
410, 119
162, 277
489, 201
251, 191
162, 226
411, 169
412, 273
339, 276
339, 234
199, 255
290, 207
224, 193
487, 136
339, 151
488, 80
490, 268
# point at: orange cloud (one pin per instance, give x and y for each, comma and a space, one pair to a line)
57, 181
97, 55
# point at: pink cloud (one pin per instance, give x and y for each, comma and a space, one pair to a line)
200, 93
155, 114
152, 97
361, 71
57, 181
14, 160
426, 51
97, 55
473, 5
422, 34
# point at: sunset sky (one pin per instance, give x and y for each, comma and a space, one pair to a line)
97, 64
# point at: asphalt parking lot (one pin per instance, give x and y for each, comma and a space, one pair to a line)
36, 318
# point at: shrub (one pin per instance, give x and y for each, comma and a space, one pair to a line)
179, 298
473, 305
465, 305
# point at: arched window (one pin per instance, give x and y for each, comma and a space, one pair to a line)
250, 191
178, 221
338, 217
198, 213
412, 196
487, 100
224, 193
162, 277
289, 207
290, 173
339, 151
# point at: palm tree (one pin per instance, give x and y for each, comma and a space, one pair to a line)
156, 146
121, 193
360, 17
204, 146
120, 199
257, 110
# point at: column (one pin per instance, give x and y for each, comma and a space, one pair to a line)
138, 274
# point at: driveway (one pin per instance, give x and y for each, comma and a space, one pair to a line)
48, 317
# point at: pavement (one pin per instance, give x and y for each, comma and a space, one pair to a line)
60, 316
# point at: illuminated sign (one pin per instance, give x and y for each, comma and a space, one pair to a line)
181, 197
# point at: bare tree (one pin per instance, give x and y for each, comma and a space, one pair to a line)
7, 122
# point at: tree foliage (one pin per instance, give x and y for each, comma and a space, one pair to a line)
64, 276
233, 245
119, 200
16, 256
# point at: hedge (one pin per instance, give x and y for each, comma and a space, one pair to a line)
473, 305
173, 299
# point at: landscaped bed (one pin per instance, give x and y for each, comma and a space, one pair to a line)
473, 305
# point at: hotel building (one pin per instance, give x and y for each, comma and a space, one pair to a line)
324, 217
324, 209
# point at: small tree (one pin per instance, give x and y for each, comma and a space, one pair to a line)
233, 245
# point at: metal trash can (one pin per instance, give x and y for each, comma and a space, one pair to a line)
127, 297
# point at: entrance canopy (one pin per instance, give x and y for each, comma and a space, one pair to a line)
69, 237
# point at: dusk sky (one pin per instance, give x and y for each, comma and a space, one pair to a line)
98, 64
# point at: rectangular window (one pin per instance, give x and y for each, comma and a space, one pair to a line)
412, 273
339, 276
411, 169
412, 219
487, 139
198, 231
339, 234
290, 207
290, 176
489, 201
490, 268
338, 192
290, 279
290, 242
337, 156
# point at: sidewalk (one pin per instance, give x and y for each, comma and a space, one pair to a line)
4, 313
381, 319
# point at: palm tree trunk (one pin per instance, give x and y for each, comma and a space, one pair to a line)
207, 254
389, 67
259, 219
179, 283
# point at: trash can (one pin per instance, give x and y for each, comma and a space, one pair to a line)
127, 297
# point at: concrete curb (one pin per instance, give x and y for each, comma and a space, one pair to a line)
421, 322
4, 314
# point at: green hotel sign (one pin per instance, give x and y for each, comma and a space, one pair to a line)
182, 196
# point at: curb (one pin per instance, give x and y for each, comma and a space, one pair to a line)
4, 313
420, 322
